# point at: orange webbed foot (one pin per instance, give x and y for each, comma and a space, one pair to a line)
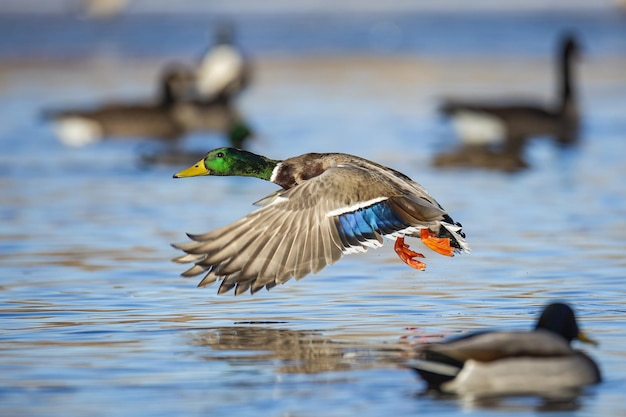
438, 244
407, 255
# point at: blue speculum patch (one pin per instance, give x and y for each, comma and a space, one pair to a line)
361, 224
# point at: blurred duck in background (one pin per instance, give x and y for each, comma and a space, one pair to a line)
223, 71
492, 363
494, 134
168, 118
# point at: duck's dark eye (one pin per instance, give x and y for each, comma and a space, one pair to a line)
220, 154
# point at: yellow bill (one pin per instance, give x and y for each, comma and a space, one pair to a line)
583, 338
195, 170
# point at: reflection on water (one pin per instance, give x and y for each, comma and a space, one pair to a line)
297, 351
512, 405
87, 259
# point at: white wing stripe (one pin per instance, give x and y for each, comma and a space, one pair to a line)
355, 207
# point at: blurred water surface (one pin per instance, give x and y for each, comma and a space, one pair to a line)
96, 320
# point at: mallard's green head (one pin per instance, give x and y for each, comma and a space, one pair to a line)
560, 319
231, 162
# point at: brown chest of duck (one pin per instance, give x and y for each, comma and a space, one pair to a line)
330, 204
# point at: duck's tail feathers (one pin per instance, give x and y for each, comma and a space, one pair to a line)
434, 373
454, 230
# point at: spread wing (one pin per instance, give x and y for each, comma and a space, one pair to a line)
301, 230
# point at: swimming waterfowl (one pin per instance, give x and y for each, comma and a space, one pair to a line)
511, 123
330, 204
224, 70
169, 118
153, 120
495, 363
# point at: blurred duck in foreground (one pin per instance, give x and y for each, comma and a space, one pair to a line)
491, 131
495, 363
223, 71
168, 118
330, 204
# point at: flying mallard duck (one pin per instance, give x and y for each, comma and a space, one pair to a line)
331, 204
509, 363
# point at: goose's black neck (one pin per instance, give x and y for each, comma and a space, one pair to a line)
566, 58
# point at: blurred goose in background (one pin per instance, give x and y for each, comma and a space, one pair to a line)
168, 118
492, 363
223, 71
330, 204
510, 123
145, 120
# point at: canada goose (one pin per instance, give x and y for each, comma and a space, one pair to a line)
510, 124
168, 118
223, 71
149, 120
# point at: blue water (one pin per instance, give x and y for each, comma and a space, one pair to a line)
95, 319
463, 33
